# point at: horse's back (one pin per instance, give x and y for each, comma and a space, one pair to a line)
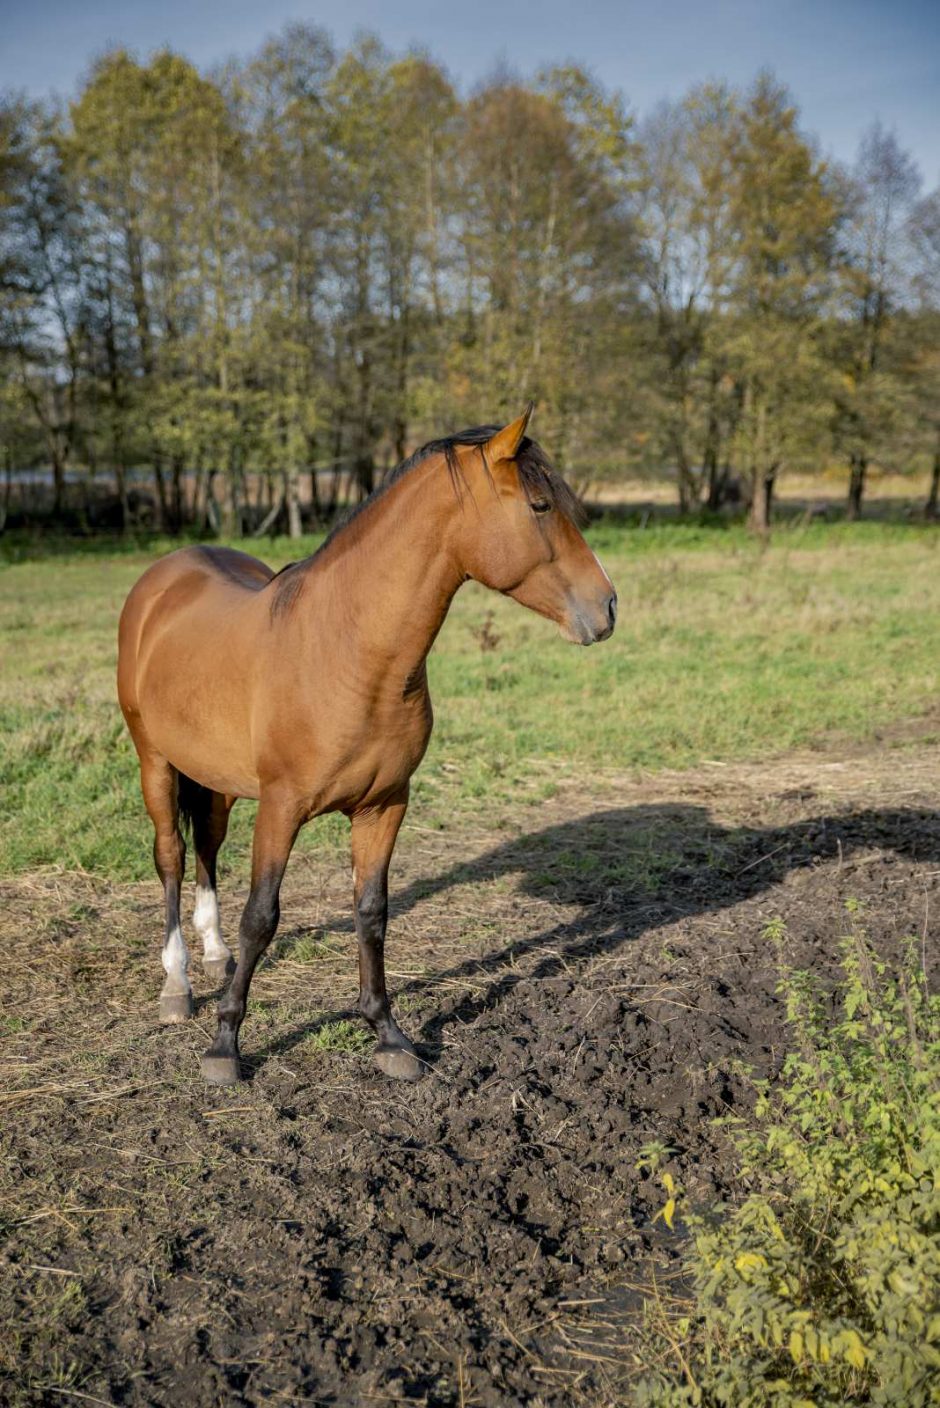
191, 602
199, 567
237, 568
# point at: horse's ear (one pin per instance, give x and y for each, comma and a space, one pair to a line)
505, 443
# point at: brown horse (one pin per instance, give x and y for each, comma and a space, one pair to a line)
308, 690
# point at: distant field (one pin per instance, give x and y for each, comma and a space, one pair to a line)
827, 487
722, 651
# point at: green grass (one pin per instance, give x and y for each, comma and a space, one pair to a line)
722, 651
341, 1035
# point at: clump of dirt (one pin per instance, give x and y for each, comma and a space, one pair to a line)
589, 980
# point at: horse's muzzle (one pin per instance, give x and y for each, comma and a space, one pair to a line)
589, 628
611, 617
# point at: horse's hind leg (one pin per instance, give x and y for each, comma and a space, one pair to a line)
210, 823
159, 786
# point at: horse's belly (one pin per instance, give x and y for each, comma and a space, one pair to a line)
195, 707
206, 759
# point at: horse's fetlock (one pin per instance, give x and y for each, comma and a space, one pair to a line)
231, 1012
372, 1007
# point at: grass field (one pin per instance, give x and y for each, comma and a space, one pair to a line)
723, 651
579, 944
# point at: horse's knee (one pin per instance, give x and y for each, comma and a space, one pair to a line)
260, 916
260, 921
372, 906
169, 855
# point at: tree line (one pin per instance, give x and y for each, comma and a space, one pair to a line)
243, 286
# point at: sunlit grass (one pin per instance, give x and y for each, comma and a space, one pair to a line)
722, 650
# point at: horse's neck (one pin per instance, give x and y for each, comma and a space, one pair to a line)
393, 582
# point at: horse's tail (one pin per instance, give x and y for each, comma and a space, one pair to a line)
195, 802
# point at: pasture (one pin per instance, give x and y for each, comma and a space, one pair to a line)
596, 844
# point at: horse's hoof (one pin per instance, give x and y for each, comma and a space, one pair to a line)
176, 1007
218, 970
399, 1063
220, 1070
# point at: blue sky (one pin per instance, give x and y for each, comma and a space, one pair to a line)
846, 61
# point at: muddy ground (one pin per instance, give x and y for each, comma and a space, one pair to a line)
586, 979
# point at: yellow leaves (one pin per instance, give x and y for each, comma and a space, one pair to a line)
750, 1261
806, 1342
668, 1212
853, 1350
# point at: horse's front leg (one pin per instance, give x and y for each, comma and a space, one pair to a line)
374, 832
276, 826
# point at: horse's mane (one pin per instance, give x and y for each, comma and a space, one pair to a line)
540, 481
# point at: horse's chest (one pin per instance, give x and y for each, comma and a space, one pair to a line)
387, 746
400, 734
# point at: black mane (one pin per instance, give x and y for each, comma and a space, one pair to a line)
540, 481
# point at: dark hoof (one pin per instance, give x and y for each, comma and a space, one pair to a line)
176, 1007
218, 970
220, 1070
399, 1063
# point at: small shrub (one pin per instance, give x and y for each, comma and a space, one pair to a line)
820, 1288
341, 1035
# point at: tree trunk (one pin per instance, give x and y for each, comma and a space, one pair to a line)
177, 482
762, 501
117, 427
858, 466
315, 497
213, 513
58, 482
199, 491
688, 488
292, 496
718, 480
159, 484
711, 448
7, 488
232, 525
120, 476
932, 506
365, 474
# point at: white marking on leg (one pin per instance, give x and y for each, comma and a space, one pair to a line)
175, 959
206, 924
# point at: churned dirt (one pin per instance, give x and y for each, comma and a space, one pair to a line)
591, 977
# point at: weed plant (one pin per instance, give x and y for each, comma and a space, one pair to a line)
820, 1288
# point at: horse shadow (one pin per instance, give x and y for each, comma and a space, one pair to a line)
621, 873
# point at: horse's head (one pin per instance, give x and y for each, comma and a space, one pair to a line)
518, 535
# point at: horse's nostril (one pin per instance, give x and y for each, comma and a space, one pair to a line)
612, 608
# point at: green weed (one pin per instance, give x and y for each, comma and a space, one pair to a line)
821, 1286
342, 1035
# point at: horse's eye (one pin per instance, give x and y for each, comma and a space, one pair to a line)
540, 506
